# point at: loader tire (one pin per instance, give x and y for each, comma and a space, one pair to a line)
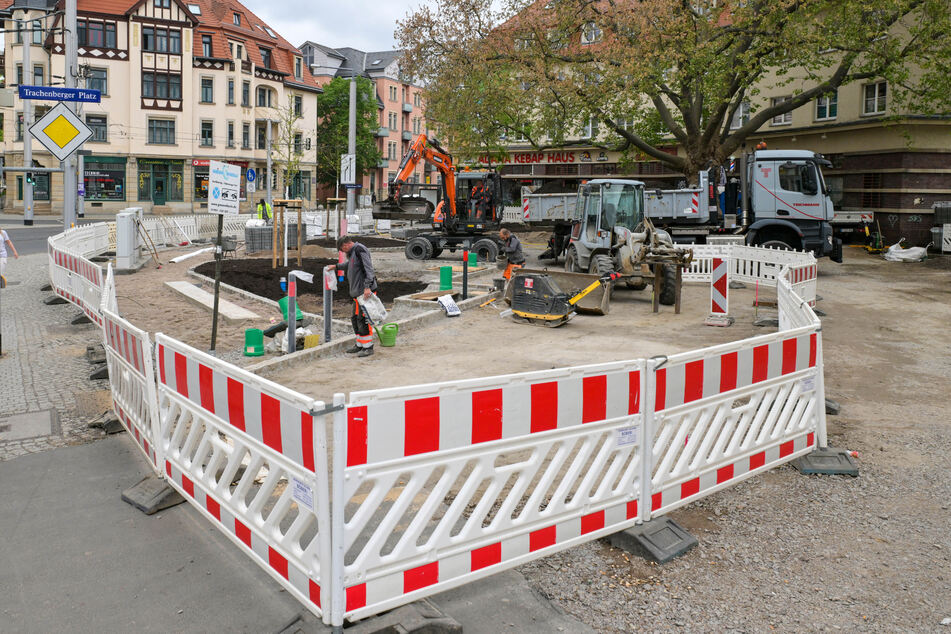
601, 265
418, 249
668, 286
571, 261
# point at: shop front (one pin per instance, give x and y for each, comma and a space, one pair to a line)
161, 181
104, 178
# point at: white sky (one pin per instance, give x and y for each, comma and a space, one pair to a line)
367, 25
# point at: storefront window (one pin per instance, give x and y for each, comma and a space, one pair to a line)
161, 180
105, 179
201, 183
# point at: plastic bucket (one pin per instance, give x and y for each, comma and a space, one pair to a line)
253, 342
283, 304
445, 278
473, 259
387, 334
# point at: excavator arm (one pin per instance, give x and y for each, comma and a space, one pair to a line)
422, 149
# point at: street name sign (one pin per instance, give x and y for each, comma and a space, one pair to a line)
60, 131
224, 188
50, 93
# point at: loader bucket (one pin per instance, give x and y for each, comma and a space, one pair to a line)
597, 302
403, 209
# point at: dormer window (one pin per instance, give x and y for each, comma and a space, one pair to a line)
163, 4
206, 45
298, 70
266, 57
237, 19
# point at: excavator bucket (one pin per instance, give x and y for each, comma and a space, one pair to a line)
405, 208
597, 302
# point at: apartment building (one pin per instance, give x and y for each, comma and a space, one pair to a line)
182, 83
400, 105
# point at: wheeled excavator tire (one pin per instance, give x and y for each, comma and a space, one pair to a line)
418, 249
486, 250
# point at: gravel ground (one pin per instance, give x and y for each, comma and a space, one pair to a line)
789, 552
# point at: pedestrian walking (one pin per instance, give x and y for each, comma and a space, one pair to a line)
362, 281
4, 242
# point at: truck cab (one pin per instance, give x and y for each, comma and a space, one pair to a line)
790, 206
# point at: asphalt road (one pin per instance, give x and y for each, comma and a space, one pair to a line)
29, 240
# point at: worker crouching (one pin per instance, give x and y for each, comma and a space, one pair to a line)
362, 281
512, 251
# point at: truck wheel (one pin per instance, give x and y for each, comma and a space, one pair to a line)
571, 261
486, 250
601, 265
418, 249
436, 252
668, 286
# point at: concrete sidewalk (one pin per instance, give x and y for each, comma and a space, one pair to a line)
75, 557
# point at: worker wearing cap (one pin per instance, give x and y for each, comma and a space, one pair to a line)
512, 250
362, 280
264, 210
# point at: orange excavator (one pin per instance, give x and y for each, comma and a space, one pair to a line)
469, 205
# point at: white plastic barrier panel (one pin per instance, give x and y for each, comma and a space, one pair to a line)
74, 278
132, 381
251, 455
446, 483
804, 280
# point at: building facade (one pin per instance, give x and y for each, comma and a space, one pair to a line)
182, 84
400, 101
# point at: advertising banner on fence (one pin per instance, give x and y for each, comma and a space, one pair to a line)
224, 188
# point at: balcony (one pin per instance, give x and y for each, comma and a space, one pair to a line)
384, 163
407, 107
407, 135
383, 131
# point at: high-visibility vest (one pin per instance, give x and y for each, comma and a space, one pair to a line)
264, 211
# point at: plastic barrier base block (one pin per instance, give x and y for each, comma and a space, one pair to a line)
82, 319
47, 287
55, 299
100, 373
723, 321
421, 617
660, 539
827, 461
152, 495
832, 407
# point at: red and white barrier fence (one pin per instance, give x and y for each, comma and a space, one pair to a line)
436, 485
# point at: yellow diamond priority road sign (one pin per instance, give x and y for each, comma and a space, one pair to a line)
60, 131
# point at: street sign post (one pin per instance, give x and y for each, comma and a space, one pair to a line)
51, 93
251, 179
251, 175
348, 168
60, 131
224, 190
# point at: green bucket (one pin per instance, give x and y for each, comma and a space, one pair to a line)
445, 278
283, 304
253, 342
473, 259
387, 334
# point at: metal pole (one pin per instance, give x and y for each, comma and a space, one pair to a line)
744, 189
69, 165
328, 307
291, 313
214, 312
465, 272
81, 198
270, 177
352, 144
27, 137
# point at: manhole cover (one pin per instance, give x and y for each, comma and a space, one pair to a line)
29, 425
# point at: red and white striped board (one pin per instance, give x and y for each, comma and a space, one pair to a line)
525, 213
424, 577
804, 281
720, 477
265, 411
396, 423
719, 287
140, 435
695, 203
282, 568
681, 382
127, 344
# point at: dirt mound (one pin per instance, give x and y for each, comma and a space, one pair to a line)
370, 242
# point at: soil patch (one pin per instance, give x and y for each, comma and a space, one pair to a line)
255, 275
370, 242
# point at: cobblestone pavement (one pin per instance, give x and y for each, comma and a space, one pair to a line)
43, 365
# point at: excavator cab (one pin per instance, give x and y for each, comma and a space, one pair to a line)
478, 203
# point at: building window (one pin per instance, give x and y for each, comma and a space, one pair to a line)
874, 102
19, 74
298, 70
206, 45
741, 117
161, 86
391, 150
38, 74
298, 106
827, 106
162, 131
19, 126
163, 4
264, 97
240, 51
160, 40
100, 130
207, 90
261, 137
96, 80
300, 185
590, 33
784, 118
236, 19
96, 34
201, 183
207, 134
231, 134
246, 94
41, 187
161, 178
307, 144
394, 121
19, 32
298, 143
392, 93
37, 32
265, 56
590, 129
105, 179
246, 136
230, 92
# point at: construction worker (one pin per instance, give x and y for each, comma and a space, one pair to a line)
476, 197
512, 250
264, 211
363, 283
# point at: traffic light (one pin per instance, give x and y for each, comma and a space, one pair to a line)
29, 178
